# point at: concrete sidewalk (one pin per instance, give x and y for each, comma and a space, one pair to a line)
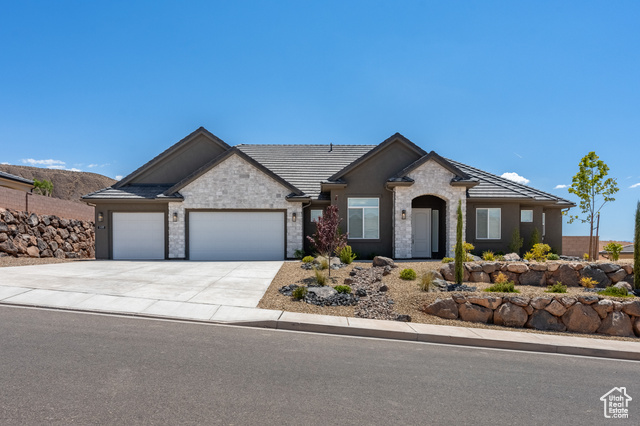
254, 317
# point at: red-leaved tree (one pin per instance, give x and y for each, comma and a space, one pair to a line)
327, 238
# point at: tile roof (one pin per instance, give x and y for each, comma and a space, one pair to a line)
131, 192
9, 176
305, 166
492, 186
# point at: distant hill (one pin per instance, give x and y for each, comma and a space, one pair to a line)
67, 185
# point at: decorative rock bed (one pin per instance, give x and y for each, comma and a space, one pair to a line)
543, 273
581, 314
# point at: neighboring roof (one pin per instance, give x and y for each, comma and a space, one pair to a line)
9, 176
169, 151
305, 166
132, 192
375, 150
492, 186
219, 159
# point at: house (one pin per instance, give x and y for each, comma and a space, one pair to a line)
202, 199
626, 253
7, 180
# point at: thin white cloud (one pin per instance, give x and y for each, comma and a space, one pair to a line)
561, 186
73, 169
4, 162
635, 185
119, 177
92, 166
517, 155
48, 162
512, 176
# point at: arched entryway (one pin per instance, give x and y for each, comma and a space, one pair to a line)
428, 227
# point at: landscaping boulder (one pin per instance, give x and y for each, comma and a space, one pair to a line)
518, 300
533, 277
33, 220
552, 266
543, 320
448, 272
518, 268
618, 275
636, 326
625, 285
8, 247
568, 301
596, 275
510, 257
581, 318
540, 302
491, 302
603, 307
322, 292
480, 277
608, 267
473, 267
587, 300
555, 308
631, 308
443, 308
383, 261
510, 315
33, 251
474, 313
566, 275
489, 267
616, 324
538, 266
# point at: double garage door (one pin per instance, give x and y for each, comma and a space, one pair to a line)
212, 236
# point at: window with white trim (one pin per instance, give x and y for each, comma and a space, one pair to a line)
544, 224
315, 215
488, 222
364, 218
526, 215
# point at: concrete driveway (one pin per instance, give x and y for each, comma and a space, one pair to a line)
153, 287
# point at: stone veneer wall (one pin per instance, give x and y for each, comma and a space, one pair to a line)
430, 179
24, 234
234, 184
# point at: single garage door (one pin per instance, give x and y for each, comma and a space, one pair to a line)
138, 236
236, 235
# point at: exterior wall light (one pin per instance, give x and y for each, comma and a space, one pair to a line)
100, 216
175, 216
294, 217
404, 214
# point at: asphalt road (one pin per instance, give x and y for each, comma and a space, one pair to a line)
74, 368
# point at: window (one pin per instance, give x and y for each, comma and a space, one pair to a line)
526, 215
364, 218
544, 224
488, 224
315, 215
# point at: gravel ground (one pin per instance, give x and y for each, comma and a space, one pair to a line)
25, 261
407, 296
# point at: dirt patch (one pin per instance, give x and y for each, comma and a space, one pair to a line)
407, 296
7, 261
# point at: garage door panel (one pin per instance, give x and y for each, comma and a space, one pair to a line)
236, 235
138, 236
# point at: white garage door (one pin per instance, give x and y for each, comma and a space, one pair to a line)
138, 236
236, 235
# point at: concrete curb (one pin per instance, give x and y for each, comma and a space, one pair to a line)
393, 330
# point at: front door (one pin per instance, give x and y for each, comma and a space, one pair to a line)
421, 232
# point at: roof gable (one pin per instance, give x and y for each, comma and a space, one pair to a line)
396, 138
438, 159
213, 163
178, 161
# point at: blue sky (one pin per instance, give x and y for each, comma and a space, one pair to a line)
526, 87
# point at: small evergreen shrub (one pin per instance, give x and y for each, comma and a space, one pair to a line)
299, 293
408, 274
614, 250
538, 252
615, 292
321, 278
342, 289
426, 283
346, 255
501, 278
588, 282
516, 241
553, 256
505, 287
488, 256
307, 259
528, 256
535, 238
447, 260
298, 254
556, 288
468, 247
500, 257
585, 256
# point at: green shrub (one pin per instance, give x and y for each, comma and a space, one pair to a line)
501, 278
321, 278
308, 259
447, 260
426, 282
528, 256
538, 252
346, 255
614, 250
504, 287
535, 238
556, 288
298, 254
468, 247
408, 274
553, 256
500, 257
488, 256
516, 242
299, 293
342, 289
588, 282
615, 292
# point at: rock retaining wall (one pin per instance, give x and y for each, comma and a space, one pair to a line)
25, 234
543, 273
581, 314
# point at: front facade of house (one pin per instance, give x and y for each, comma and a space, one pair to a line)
204, 200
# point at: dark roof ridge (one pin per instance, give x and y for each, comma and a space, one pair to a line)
303, 144
166, 152
17, 178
